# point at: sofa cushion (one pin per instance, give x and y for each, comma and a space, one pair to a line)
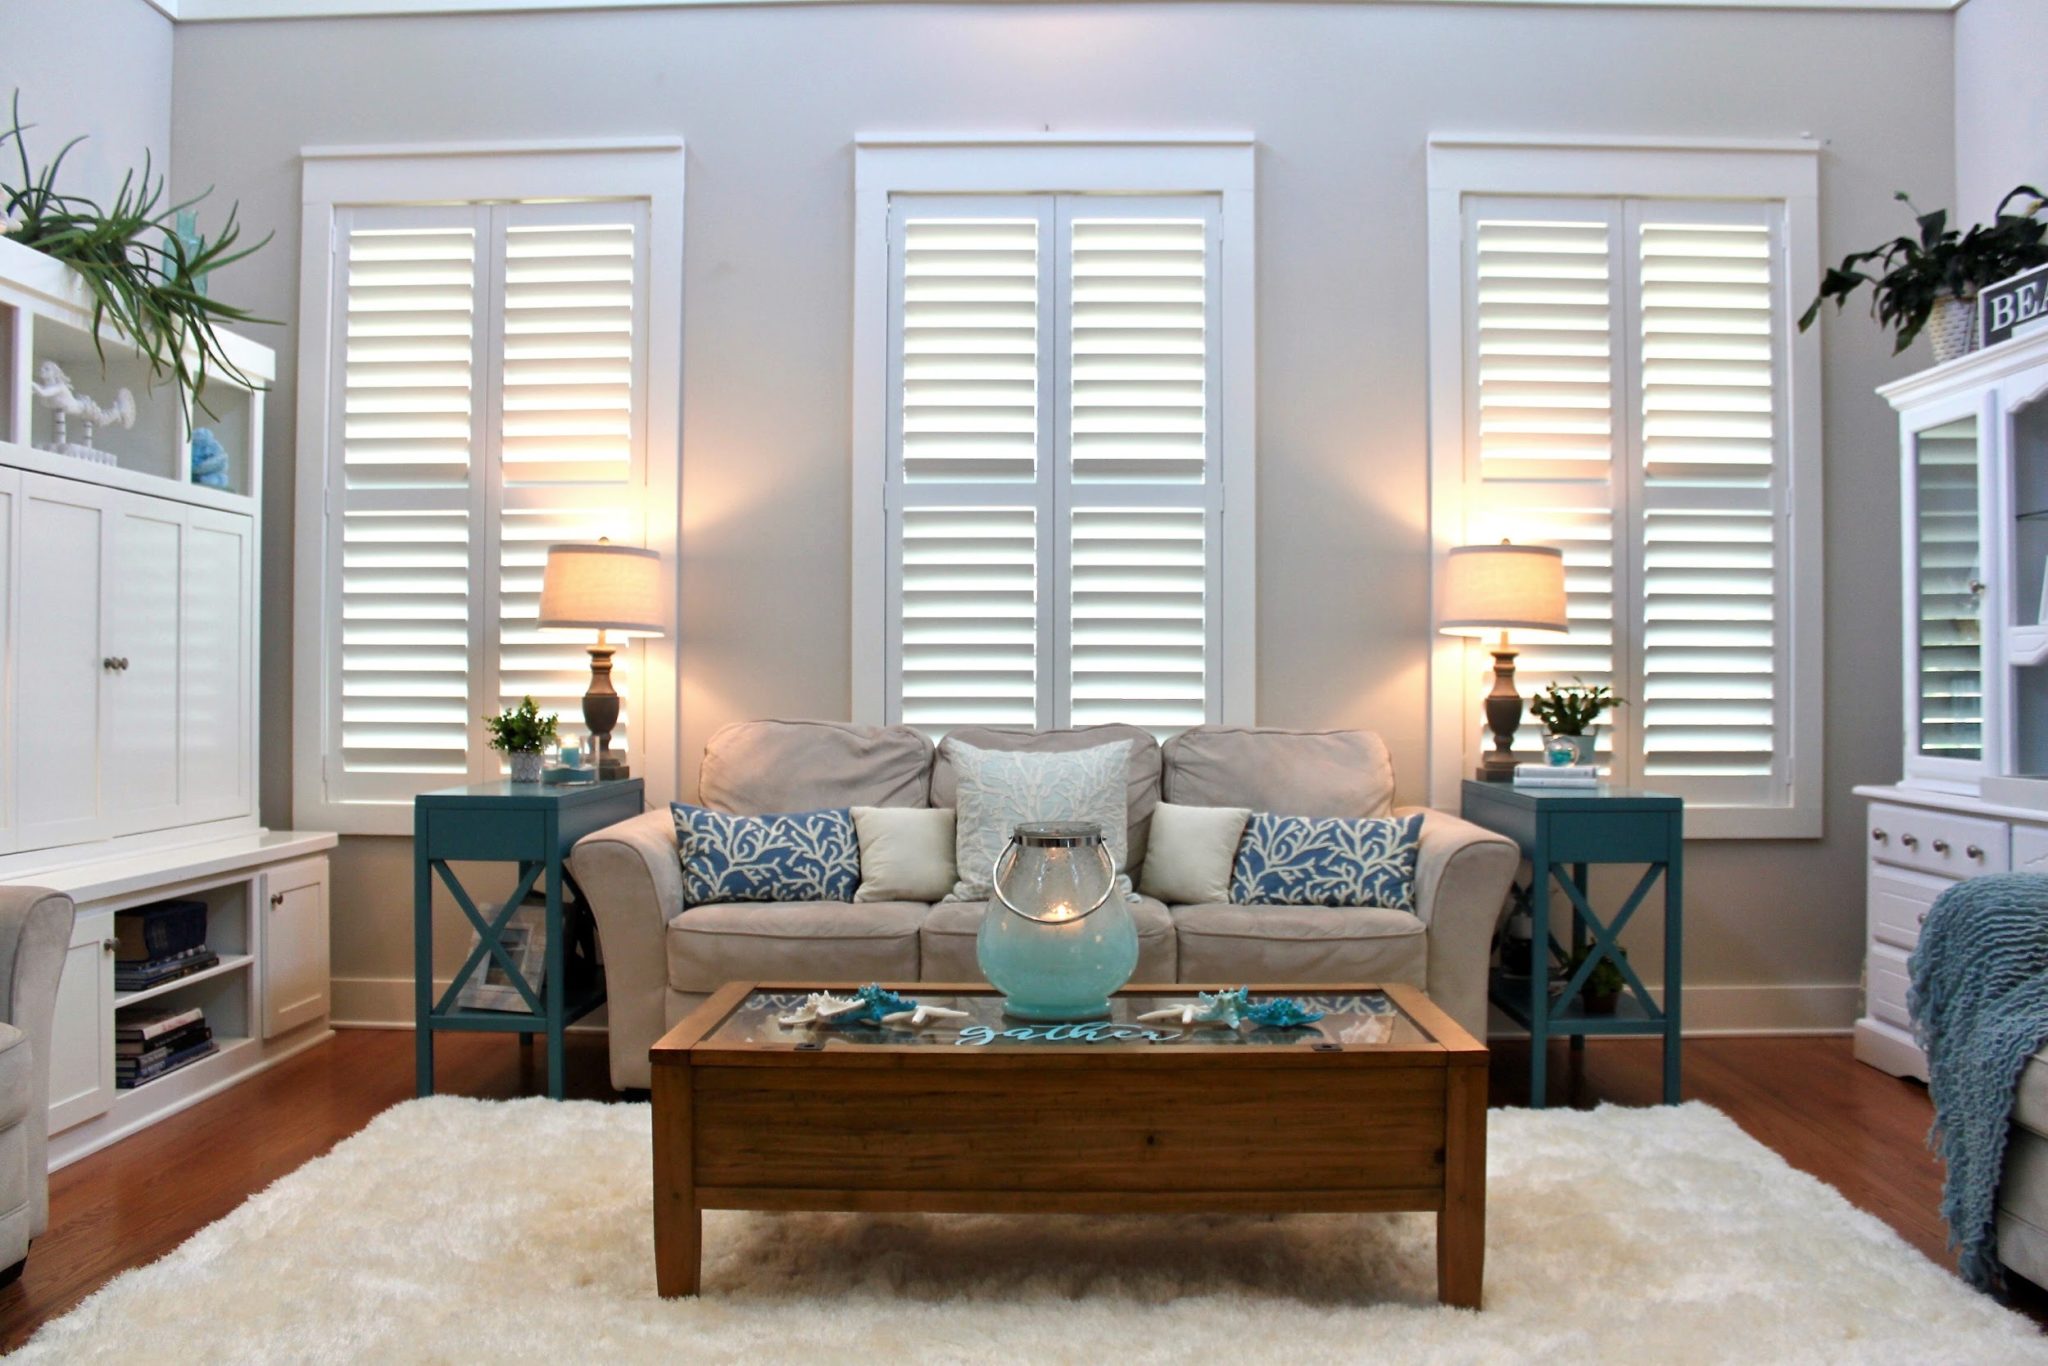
801, 856
18, 1081
1193, 850
999, 791
1296, 773
1327, 861
948, 942
906, 853
1284, 945
755, 767
1143, 787
793, 941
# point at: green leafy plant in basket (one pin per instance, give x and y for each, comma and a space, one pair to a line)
141, 275
1940, 263
521, 729
1572, 708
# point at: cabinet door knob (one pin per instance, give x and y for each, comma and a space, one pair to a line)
1977, 586
1910, 841
1941, 846
108, 946
111, 664
1879, 835
276, 900
1974, 850
1920, 919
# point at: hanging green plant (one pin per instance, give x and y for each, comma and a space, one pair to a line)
1940, 263
141, 274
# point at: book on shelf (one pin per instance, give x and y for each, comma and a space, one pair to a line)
150, 1058
159, 930
128, 1080
157, 971
143, 1024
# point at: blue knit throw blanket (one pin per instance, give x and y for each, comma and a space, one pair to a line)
1980, 1008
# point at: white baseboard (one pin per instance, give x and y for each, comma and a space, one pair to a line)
386, 1003
1754, 1010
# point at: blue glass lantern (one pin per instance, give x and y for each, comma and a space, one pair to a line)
1056, 939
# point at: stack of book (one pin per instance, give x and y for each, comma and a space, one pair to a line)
150, 1042
160, 943
1557, 775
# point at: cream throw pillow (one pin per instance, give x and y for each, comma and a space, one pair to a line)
906, 853
1002, 789
1192, 853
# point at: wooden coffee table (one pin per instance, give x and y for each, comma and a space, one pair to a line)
1380, 1105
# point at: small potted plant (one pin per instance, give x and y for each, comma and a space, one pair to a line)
1602, 989
1937, 275
1570, 714
524, 734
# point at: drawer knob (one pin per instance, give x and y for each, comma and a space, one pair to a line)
1941, 846
1879, 835
1920, 919
1910, 841
1975, 851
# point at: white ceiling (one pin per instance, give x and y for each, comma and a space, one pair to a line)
213, 11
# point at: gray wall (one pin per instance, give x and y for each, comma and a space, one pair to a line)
2001, 102
1341, 98
96, 67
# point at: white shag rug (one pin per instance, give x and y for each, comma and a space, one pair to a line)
455, 1230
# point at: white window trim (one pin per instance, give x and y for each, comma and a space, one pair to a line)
1787, 170
649, 169
1222, 165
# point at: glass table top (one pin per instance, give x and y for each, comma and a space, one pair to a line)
1354, 1020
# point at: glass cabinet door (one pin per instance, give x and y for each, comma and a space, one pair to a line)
2025, 709
1946, 687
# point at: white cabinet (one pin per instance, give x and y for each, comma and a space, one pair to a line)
10, 506
145, 587
66, 540
294, 951
82, 1036
217, 663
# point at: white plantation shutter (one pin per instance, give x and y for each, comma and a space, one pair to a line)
1053, 493
1626, 402
1951, 642
487, 404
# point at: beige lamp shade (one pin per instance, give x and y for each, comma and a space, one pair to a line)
1503, 587
603, 587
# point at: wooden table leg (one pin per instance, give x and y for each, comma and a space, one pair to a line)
678, 1223
1461, 1224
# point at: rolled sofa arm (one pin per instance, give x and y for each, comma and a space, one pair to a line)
1462, 877
635, 884
35, 933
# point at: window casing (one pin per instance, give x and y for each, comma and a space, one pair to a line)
1052, 466
1615, 371
484, 392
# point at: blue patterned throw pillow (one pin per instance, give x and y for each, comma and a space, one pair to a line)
805, 856
1315, 861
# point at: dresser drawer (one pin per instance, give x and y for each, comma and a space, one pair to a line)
1898, 902
1885, 982
2030, 849
1937, 842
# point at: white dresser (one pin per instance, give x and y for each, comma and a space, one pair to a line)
1972, 797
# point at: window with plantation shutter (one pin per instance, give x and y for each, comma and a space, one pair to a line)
1626, 371
486, 397
1054, 497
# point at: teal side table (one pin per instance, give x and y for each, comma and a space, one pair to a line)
535, 827
1561, 831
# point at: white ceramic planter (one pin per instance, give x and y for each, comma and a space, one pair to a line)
526, 767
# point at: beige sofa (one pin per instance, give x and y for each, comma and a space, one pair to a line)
35, 931
662, 960
2023, 1192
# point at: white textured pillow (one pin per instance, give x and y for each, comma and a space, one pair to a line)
1002, 789
1192, 852
906, 853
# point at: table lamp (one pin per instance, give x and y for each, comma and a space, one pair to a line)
1502, 588
612, 590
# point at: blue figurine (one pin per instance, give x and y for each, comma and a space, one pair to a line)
209, 459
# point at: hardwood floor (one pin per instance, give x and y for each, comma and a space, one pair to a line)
1850, 1125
